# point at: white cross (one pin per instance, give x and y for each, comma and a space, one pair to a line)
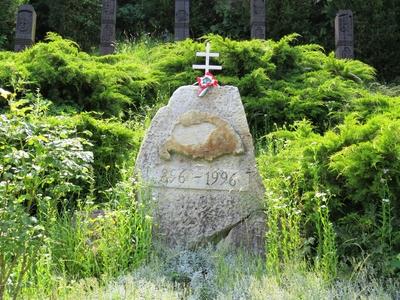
207, 55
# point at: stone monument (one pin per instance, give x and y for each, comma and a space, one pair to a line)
257, 21
26, 27
108, 20
182, 15
198, 160
344, 35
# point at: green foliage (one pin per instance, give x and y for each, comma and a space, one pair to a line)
228, 276
115, 146
375, 24
314, 20
70, 77
153, 18
102, 243
8, 12
45, 167
78, 20
279, 83
92, 243
356, 164
47, 187
19, 240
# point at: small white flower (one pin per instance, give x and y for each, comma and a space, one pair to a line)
5, 94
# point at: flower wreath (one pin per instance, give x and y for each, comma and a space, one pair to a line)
205, 82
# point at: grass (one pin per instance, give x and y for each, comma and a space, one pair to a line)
219, 274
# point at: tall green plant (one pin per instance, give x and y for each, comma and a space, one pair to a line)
42, 172
354, 166
326, 260
20, 240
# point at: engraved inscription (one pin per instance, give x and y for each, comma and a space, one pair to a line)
108, 19
108, 33
346, 53
344, 23
344, 34
182, 16
25, 27
201, 178
23, 21
259, 32
258, 7
108, 7
197, 166
257, 20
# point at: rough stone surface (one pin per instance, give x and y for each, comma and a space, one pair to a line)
108, 20
26, 27
257, 21
198, 161
182, 17
344, 34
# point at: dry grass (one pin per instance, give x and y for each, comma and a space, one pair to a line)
220, 275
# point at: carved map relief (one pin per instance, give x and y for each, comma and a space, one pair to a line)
202, 135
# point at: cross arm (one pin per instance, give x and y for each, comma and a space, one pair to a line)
203, 67
205, 54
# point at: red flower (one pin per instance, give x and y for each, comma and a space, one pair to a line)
208, 80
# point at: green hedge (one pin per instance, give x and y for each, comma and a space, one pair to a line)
376, 23
114, 146
279, 83
355, 167
68, 76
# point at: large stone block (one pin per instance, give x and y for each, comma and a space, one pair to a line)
198, 160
